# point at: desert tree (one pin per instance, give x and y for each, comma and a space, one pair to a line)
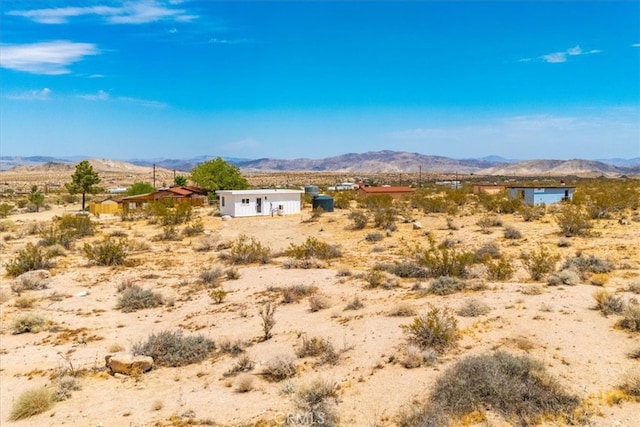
36, 198
217, 174
140, 188
83, 180
180, 180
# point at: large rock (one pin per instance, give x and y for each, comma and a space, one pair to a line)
128, 365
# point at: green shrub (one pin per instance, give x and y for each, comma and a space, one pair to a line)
109, 251
377, 279
28, 259
437, 329
500, 269
245, 250
404, 269
444, 261
169, 234
218, 295
313, 248
28, 323
359, 220
32, 402
135, 298
232, 274
488, 251
193, 229
5, 209
171, 348
573, 220
384, 217
167, 214
531, 213
317, 347
376, 201
540, 262
518, 388
446, 285
64, 230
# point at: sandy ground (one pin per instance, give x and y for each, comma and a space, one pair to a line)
577, 344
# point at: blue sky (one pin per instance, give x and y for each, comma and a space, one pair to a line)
291, 79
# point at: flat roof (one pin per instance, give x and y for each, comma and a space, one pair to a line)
261, 191
540, 186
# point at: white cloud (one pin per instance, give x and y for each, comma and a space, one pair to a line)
635, 45
34, 95
559, 57
101, 95
45, 58
229, 41
127, 12
143, 102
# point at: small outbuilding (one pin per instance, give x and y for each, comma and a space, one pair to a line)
542, 195
268, 202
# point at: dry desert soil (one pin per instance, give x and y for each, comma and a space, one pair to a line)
586, 352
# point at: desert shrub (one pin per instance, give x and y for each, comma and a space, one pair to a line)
205, 244
245, 250
518, 388
267, 314
358, 219
32, 402
587, 264
244, 384
630, 318
232, 274
318, 402
510, 232
573, 220
488, 251
402, 309
319, 302
295, 293
540, 262
171, 348
532, 290
473, 308
316, 346
28, 323
412, 357
34, 280
531, 213
634, 287
279, 368
354, 304
444, 261
634, 354
437, 329
564, 242
486, 222
451, 224
405, 269
136, 298
196, 227
166, 214
5, 209
65, 384
374, 237
426, 415
243, 364
563, 277
631, 385
233, 348
377, 279
109, 251
599, 279
28, 259
313, 248
218, 295
304, 263
342, 199
376, 201
500, 269
446, 285
64, 230
24, 301
384, 217
211, 276
608, 303
169, 234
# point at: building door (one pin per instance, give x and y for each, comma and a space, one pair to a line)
259, 205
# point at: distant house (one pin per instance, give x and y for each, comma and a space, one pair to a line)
173, 194
488, 188
397, 192
541, 195
243, 203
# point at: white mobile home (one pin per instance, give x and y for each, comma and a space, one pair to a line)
239, 203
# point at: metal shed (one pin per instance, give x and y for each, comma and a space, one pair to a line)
243, 203
541, 195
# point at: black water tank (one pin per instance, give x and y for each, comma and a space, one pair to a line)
324, 202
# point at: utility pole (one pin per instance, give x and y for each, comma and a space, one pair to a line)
420, 176
154, 176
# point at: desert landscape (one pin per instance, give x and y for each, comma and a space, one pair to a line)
370, 315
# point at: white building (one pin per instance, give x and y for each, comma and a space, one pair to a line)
239, 203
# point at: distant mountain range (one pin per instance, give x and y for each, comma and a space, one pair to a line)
379, 161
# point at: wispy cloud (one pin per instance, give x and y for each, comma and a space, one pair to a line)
635, 45
143, 102
559, 57
33, 95
101, 95
230, 41
51, 58
104, 96
125, 12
